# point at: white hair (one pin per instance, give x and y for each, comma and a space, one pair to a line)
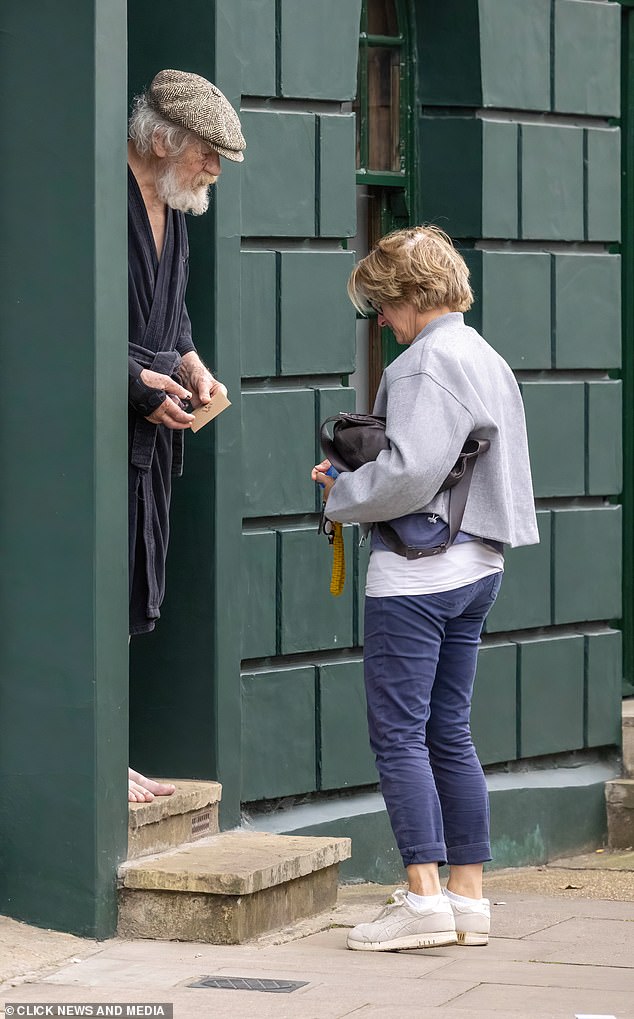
145, 124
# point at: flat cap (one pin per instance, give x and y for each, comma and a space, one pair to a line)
194, 103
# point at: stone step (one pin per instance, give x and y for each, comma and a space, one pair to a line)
619, 795
229, 888
189, 814
628, 738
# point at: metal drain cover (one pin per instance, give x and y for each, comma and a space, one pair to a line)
250, 984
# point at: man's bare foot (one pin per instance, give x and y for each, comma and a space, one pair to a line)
143, 790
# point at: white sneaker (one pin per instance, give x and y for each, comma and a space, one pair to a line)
400, 925
473, 919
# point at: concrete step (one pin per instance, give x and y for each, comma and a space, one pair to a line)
619, 795
189, 814
229, 888
628, 738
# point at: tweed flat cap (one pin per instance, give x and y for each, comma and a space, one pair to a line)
194, 103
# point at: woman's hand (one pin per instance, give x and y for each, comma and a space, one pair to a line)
318, 474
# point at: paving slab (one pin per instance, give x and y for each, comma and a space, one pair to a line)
546, 1001
605, 945
518, 916
106, 972
531, 973
25, 949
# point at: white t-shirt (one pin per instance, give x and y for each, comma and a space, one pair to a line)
462, 564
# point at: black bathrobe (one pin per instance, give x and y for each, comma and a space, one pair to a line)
159, 335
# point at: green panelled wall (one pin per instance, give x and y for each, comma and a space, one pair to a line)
533, 196
63, 583
301, 687
519, 159
521, 180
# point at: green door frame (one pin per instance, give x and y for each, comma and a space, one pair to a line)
185, 677
627, 373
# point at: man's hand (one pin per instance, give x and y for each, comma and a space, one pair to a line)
199, 379
169, 413
318, 474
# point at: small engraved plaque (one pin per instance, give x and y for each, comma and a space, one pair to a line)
201, 824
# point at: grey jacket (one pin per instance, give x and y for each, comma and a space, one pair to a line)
449, 384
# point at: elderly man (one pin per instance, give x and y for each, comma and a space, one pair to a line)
178, 131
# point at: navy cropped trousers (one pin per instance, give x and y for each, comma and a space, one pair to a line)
420, 655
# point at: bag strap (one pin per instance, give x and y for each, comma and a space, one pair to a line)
457, 503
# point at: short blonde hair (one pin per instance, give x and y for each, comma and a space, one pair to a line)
420, 265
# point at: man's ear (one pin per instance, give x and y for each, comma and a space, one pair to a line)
158, 145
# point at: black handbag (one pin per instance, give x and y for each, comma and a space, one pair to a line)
359, 438
356, 440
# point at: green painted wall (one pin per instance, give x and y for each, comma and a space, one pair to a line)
529, 185
533, 196
627, 256
301, 683
63, 530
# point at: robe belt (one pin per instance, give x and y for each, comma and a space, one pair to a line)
166, 362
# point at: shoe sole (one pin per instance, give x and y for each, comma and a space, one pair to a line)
398, 944
471, 938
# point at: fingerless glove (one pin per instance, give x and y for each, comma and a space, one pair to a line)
143, 399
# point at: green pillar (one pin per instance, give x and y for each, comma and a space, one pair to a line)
63, 533
627, 263
185, 676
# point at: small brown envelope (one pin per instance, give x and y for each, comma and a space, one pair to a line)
203, 415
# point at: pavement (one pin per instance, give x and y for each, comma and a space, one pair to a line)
562, 946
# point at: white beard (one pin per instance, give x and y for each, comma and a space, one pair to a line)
171, 191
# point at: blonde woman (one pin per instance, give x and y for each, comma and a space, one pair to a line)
424, 616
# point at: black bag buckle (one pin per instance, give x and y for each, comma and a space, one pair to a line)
422, 553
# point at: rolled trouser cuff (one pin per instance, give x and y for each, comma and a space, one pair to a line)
429, 852
477, 852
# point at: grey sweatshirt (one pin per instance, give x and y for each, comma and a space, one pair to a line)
448, 385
